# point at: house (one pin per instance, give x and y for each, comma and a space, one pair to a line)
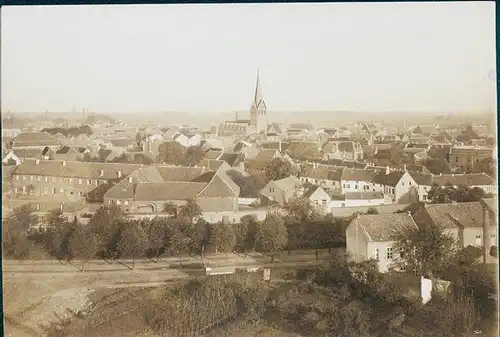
54, 177
305, 150
373, 237
70, 208
490, 211
214, 164
147, 190
319, 197
152, 144
463, 158
281, 191
463, 221
326, 176
187, 139
427, 130
353, 180
10, 132
479, 180
259, 162
38, 140
67, 153
424, 184
398, 185
357, 199
11, 159
345, 150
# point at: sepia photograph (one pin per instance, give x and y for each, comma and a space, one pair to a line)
250, 170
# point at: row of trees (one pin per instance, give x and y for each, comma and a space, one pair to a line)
110, 234
70, 132
447, 194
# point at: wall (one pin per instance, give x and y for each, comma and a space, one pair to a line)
330, 184
384, 262
217, 204
355, 203
235, 217
356, 186
356, 243
403, 187
469, 236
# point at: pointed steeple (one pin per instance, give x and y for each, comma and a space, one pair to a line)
258, 94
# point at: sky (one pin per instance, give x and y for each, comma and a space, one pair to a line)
423, 57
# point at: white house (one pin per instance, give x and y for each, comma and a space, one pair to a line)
319, 197
398, 185
358, 199
353, 180
11, 156
188, 139
373, 237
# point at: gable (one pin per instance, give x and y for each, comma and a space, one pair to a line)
217, 188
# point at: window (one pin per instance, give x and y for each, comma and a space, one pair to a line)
15, 190
71, 180
89, 182
37, 207
45, 191
54, 190
61, 190
39, 178
17, 177
409, 183
389, 253
125, 202
323, 202
46, 179
32, 178
54, 179
25, 177
118, 201
403, 183
80, 181
377, 254
348, 185
478, 241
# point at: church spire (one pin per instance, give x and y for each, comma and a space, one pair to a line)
258, 94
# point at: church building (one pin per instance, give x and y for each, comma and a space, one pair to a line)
258, 117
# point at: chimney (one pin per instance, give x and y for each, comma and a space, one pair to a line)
37, 161
64, 163
101, 173
486, 235
119, 174
387, 170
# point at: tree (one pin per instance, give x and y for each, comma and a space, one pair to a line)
60, 230
244, 232
194, 154
301, 210
250, 185
170, 208
222, 237
83, 244
107, 224
437, 166
425, 250
447, 194
182, 235
190, 210
171, 153
21, 219
133, 242
278, 168
139, 137
157, 232
272, 234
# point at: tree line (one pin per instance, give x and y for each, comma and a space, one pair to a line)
110, 234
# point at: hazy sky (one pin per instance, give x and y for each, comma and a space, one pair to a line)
363, 57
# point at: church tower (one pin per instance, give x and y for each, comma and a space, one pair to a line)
258, 111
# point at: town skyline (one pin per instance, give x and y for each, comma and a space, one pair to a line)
120, 79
